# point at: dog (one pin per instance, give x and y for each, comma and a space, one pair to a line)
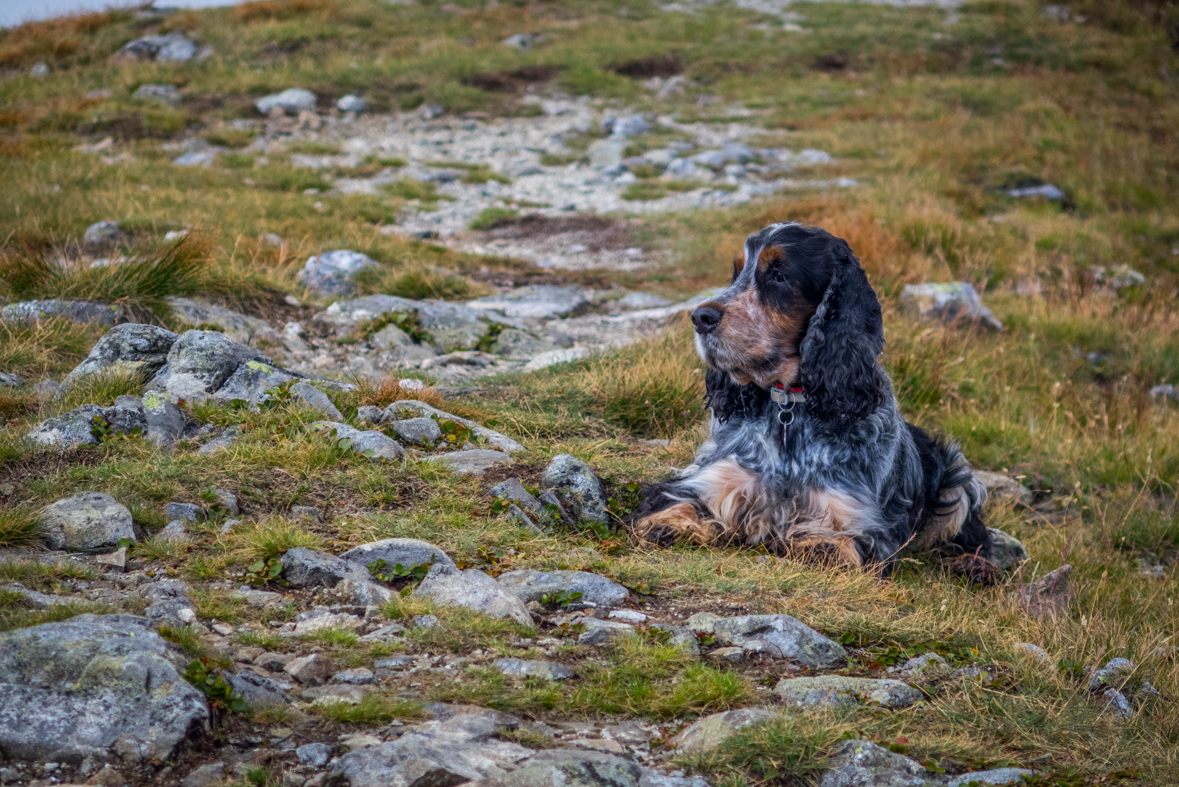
808, 453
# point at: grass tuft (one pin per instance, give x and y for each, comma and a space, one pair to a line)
372, 709
20, 527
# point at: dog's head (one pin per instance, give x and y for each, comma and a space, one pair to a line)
799, 312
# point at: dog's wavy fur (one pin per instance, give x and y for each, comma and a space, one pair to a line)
849, 479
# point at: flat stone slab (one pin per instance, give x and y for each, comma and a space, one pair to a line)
523, 668
475, 462
412, 408
529, 585
828, 691
472, 589
535, 302
237, 326
779, 636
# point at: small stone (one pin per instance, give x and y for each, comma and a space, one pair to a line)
1047, 596
316, 399
306, 514
1118, 703
309, 670
385, 633
472, 589
226, 440
1002, 486
224, 629
164, 94
515, 492
998, 776
174, 47
602, 632
708, 733
351, 103
474, 462
628, 126
1034, 651
116, 559
521, 41
227, 501
1113, 669
948, 303
205, 775
727, 654
634, 617
840, 691
576, 482
407, 552
426, 621
331, 273
858, 763
274, 662
927, 666
360, 676
417, 431
101, 233
175, 533
184, 512
529, 585
291, 101
1006, 551
374, 445
396, 662
39, 70
522, 668
316, 755
779, 636
86, 521
304, 567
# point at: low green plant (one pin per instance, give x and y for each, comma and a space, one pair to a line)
208, 675
561, 598
491, 218
372, 709
381, 570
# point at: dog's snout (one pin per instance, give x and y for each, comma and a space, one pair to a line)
706, 318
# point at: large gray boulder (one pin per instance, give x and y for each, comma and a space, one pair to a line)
127, 348
831, 691
200, 362
86, 521
406, 551
528, 585
252, 382
94, 685
331, 273
239, 327
83, 312
446, 586
779, 636
577, 484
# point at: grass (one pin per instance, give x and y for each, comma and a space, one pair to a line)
370, 710
20, 527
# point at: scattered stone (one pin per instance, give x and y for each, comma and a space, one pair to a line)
472, 589
291, 101
449, 326
39, 70
239, 327
304, 567
830, 691
1047, 596
628, 126
475, 462
1033, 650
997, 776
1118, 703
641, 300
165, 94
385, 633
780, 636
1118, 278
577, 484
1006, 551
317, 400
859, 763
407, 408
360, 676
710, 732
306, 513
1113, 669
426, 622
602, 632
114, 688
351, 103
175, 533
85, 521
116, 559
529, 585
46, 390
1045, 190
205, 776
165, 420
534, 302
274, 662
126, 348
35, 599
364, 592
316, 755
631, 616
331, 273
226, 501
554, 357
522, 41
1165, 392
927, 666
309, 670
417, 431
227, 439
202, 363
377, 446
407, 552
184, 512
81, 312
514, 491
948, 303
170, 604
546, 670
1001, 486
171, 48
11, 380
78, 427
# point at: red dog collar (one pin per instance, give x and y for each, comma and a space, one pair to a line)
782, 395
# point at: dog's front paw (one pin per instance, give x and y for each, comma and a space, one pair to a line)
673, 525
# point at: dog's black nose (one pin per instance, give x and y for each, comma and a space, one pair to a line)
706, 318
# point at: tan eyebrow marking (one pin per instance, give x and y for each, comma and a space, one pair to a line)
770, 255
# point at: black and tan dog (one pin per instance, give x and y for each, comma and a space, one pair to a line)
808, 451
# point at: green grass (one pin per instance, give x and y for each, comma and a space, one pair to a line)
370, 710
20, 526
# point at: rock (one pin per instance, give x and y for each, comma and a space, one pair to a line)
273, 661
426, 622
309, 670
307, 513
640, 300
475, 462
529, 585
385, 633
514, 491
1045, 190
999, 485
471, 589
1118, 703
170, 604
316, 755
201, 363
331, 273
39, 70
351, 103
1047, 596
948, 303
832, 691
1165, 392
93, 686
1033, 650
377, 446
681, 169
710, 732
35, 599
184, 512
520, 345
522, 668
317, 400
11, 380
927, 666
205, 776
85, 521
130, 347
258, 691
364, 592
627, 126
534, 302
602, 632
81, 312
581, 768
197, 158
407, 552
1118, 278
46, 390
553, 503
631, 616
226, 501
165, 420
576, 483
171, 48
164, 94
450, 326
780, 636
251, 384
304, 567
239, 327
360, 676
68, 431
417, 431
412, 408
116, 559
996, 777
458, 750
606, 154
727, 654
1006, 551
292, 101
864, 764
391, 337
370, 414
1110, 673
521, 41
226, 440
101, 233
175, 533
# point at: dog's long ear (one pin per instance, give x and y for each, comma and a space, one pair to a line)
839, 368
727, 399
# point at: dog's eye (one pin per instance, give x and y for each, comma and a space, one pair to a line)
780, 276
